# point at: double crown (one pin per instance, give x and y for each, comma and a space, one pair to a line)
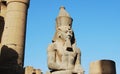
63, 18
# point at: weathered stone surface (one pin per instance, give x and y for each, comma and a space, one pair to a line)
15, 27
12, 34
63, 55
103, 67
31, 70
8, 61
1, 27
3, 7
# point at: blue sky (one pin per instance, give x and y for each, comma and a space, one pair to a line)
96, 24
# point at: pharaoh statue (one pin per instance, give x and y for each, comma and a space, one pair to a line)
63, 55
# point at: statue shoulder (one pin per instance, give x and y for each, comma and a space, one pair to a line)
78, 50
51, 47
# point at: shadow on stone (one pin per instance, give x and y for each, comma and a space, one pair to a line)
2, 22
8, 61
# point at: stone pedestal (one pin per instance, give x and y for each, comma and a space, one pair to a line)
103, 67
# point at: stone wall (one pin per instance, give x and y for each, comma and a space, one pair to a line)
102, 67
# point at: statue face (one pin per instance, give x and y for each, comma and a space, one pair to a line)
66, 31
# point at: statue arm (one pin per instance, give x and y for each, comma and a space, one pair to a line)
78, 60
78, 68
78, 54
52, 64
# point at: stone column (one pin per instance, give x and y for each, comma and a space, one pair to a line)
2, 17
3, 7
15, 27
103, 67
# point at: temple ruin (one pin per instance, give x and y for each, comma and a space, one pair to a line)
64, 57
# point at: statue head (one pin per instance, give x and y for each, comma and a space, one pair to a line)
63, 18
64, 33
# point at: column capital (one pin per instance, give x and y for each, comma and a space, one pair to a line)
22, 1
